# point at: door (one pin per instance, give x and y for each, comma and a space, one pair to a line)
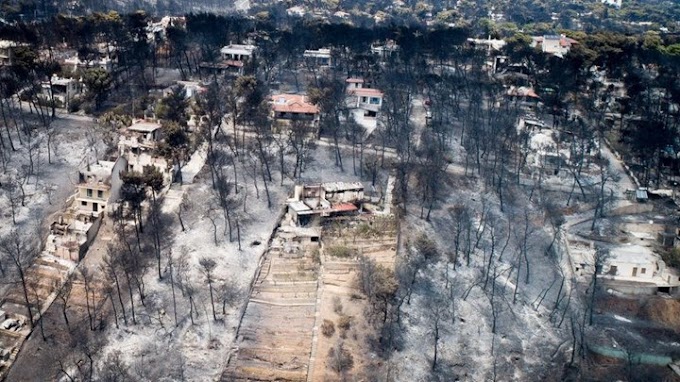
95, 207
634, 271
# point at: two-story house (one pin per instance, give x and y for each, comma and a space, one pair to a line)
137, 144
98, 184
318, 58
557, 45
61, 90
287, 108
7, 49
364, 103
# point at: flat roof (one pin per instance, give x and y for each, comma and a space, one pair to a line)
242, 49
323, 52
298, 206
342, 186
144, 126
632, 254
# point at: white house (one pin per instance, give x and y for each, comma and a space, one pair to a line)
364, 103
637, 264
62, 90
237, 52
558, 45
324, 200
386, 50
613, 3
320, 57
97, 185
7, 49
74, 63
137, 143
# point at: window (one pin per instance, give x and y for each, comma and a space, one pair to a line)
375, 101
89, 192
643, 271
364, 99
613, 270
100, 194
83, 203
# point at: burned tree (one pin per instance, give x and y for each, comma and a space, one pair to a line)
207, 268
20, 250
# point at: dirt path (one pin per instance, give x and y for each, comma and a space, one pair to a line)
297, 289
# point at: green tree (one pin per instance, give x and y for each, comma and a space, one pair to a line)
173, 107
98, 81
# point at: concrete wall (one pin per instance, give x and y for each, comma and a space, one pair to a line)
116, 182
626, 270
638, 208
91, 235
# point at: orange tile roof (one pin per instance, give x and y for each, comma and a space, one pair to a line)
293, 103
367, 92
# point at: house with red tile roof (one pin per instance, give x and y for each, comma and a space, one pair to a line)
287, 108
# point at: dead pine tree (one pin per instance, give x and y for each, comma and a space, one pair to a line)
437, 312
207, 268
20, 250
172, 284
87, 280
110, 269
64, 294
34, 285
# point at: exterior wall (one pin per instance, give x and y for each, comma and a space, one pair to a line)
369, 102
344, 196
137, 162
367, 122
633, 271
636, 289
552, 46
99, 196
116, 182
91, 235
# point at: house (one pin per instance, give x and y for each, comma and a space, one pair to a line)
297, 11
70, 236
324, 200
7, 49
75, 63
367, 99
553, 44
364, 103
523, 95
143, 134
386, 50
191, 89
320, 57
98, 184
614, 3
61, 90
487, 44
294, 107
636, 269
237, 52
233, 58
137, 144
156, 31
224, 67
